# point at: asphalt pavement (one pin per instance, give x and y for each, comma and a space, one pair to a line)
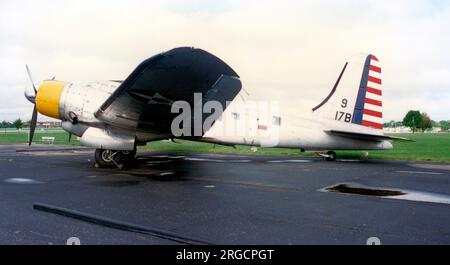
217, 199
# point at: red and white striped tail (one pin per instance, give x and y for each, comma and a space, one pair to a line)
368, 107
372, 112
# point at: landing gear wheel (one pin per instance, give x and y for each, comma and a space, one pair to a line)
331, 156
129, 154
108, 158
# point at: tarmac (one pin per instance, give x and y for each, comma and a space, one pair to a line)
49, 194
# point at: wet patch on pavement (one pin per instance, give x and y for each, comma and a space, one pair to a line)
399, 194
347, 188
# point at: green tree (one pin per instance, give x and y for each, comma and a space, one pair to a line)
5, 124
413, 119
18, 124
434, 123
445, 125
392, 124
426, 122
27, 123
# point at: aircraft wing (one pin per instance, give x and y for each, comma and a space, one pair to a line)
144, 99
365, 136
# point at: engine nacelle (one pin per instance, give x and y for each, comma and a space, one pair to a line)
104, 139
80, 102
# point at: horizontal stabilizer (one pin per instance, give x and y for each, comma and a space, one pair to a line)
365, 136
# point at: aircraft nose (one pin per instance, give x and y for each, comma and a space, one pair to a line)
48, 97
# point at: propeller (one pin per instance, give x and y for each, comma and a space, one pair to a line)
31, 79
32, 98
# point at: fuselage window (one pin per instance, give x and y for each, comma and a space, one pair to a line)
235, 115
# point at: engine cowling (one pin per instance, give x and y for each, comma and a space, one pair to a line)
104, 139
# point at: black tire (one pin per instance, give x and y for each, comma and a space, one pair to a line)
103, 157
128, 155
331, 156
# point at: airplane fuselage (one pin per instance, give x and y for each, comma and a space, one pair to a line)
191, 94
242, 123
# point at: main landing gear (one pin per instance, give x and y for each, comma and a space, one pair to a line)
330, 155
113, 158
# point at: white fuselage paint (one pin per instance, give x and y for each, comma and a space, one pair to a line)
306, 131
291, 130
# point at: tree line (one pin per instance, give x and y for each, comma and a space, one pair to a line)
18, 124
416, 120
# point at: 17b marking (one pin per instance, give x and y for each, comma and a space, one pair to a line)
343, 116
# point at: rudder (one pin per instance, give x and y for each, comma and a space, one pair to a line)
357, 95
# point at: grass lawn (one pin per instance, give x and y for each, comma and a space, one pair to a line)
14, 137
427, 147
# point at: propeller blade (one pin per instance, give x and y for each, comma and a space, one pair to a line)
32, 125
31, 79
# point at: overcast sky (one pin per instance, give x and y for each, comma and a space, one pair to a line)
290, 51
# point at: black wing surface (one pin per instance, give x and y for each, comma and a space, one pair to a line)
144, 99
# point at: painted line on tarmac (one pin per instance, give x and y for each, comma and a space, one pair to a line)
217, 160
419, 172
290, 161
52, 149
348, 160
22, 181
442, 166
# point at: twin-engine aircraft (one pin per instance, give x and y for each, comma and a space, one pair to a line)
115, 116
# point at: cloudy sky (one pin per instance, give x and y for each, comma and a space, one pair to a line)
290, 51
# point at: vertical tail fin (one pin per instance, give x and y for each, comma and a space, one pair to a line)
368, 108
356, 95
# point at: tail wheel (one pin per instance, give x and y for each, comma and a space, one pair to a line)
331, 156
108, 158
